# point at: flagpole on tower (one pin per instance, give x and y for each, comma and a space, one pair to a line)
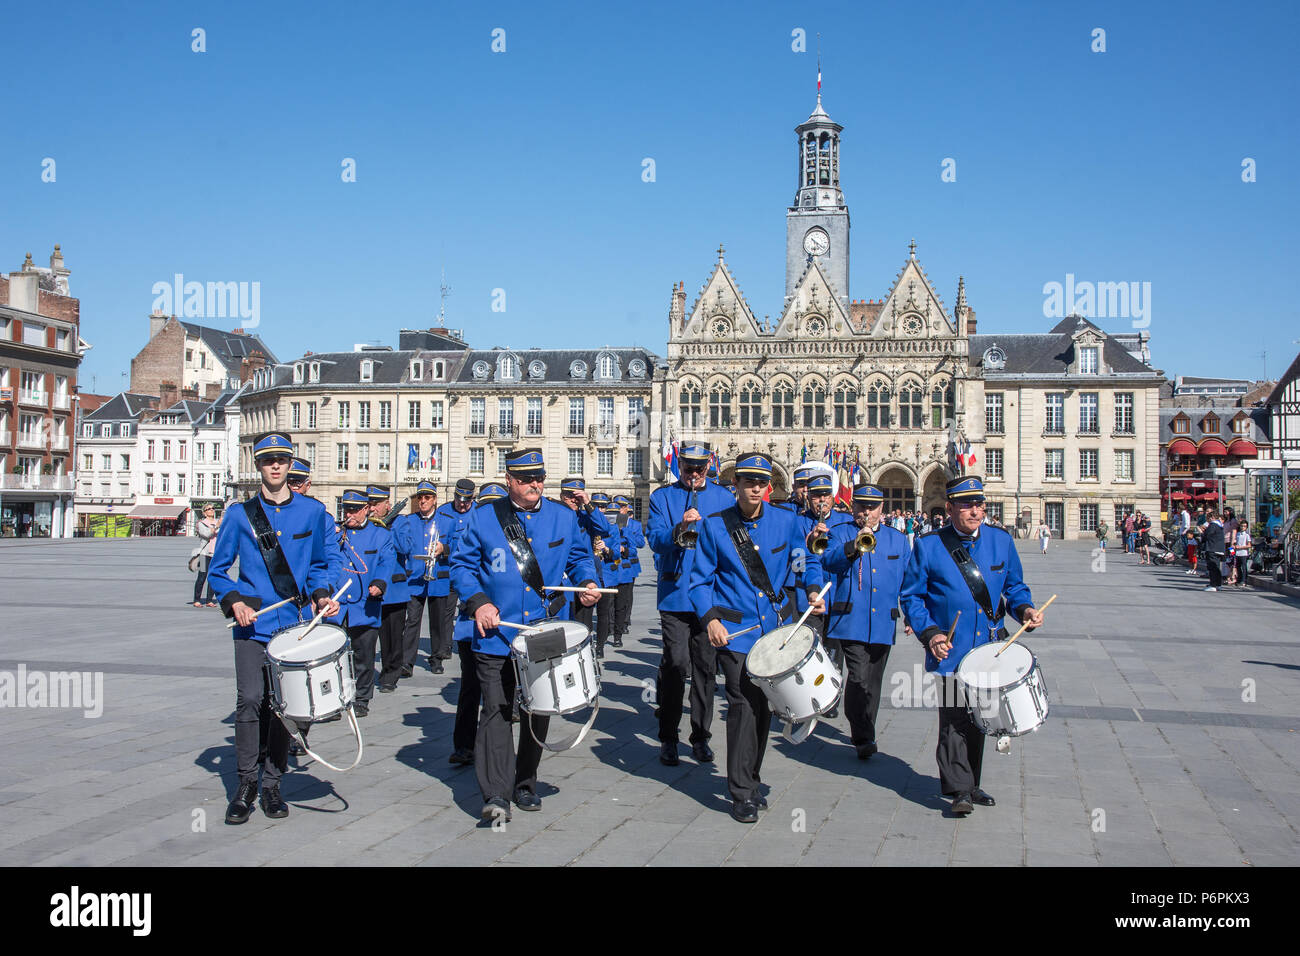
819, 69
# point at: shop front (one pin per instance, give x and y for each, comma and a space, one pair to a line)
163, 517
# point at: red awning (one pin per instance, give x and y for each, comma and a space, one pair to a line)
1206, 495
1211, 446
1244, 448
1182, 446
1179, 496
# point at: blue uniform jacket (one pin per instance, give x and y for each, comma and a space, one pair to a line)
609, 565
415, 539
720, 586
667, 505
303, 527
396, 592
594, 524
369, 559
483, 569
451, 525
631, 535
864, 605
934, 591
796, 580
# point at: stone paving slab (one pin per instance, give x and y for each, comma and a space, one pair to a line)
1174, 739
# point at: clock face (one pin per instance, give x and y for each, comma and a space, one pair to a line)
815, 326
816, 242
913, 325
720, 328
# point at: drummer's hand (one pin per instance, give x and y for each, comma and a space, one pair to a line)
1033, 617
243, 613
907, 629
718, 633
817, 603
328, 605
939, 646
589, 597
487, 617
375, 592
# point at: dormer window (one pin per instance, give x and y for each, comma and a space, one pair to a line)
636, 368
367, 370
1210, 424
995, 358
105, 431
578, 369
313, 373
1088, 360
417, 370
508, 368
1241, 426
123, 430
1180, 425
439, 370
606, 366
536, 369
87, 430
481, 370
298, 371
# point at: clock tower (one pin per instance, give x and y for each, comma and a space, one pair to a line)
817, 224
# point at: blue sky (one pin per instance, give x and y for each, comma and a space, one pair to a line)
522, 170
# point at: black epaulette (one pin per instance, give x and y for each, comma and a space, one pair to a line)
555, 500
928, 534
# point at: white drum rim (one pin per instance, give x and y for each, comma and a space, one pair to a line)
303, 665
523, 653
812, 649
1033, 665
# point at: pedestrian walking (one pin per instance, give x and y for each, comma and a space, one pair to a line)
1044, 534
1103, 530
206, 529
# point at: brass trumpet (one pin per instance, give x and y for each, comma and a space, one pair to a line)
865, 542
818, 543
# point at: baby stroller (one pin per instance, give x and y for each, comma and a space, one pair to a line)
1161, 553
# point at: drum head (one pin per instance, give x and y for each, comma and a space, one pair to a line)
767, 658
983, 669
574, 634
323, 641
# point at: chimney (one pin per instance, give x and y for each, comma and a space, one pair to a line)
24, 287
157, 319
211, 391
59, 270
166, 394
190, 393
250, 365
236, 331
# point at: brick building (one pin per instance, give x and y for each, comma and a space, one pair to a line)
201, 362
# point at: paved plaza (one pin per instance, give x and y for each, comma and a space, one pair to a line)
1172, 740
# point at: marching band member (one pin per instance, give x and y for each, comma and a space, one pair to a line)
281, 541
607, 565
392, 627
864, 608
817, 519
592, 521
798, 500
741, 551
428, 579
631, 539
451, 518
672, 530
541, 542
973, 568
369, 557
491, 492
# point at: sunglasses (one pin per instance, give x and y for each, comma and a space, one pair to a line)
695, 467
963, 505
296, 480
532, 479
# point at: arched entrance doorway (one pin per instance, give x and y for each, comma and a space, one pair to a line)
900, 493
935, 491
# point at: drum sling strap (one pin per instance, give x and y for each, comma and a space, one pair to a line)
748, 554
277, 566
526, 561
970, 573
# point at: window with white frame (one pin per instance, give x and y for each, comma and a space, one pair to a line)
636, 424
577, 419
88, 462
216, 451
363, 414
341, 459
1054, 463
502, 454
180, 484
417, 370
476, 461
148, 484
506, 414
478, 416
435, 456
311, 414
1124, 413
993, 418
383, 457
1088, 360
534, 416
1124, 464
635, 462
311, 453
412, 414
1087, 517
345, 414
385, 414
106, 462
164, 484
1087, 464
993, 462
1089, 417
126, 462
605, 463
575, 461
436, 414
367, 370
363, 458
1054, 412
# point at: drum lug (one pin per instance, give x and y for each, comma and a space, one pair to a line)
798, 678
1004, 744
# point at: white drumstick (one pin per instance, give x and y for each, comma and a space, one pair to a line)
263, 611
582, 590
321, 613
517, 627
795, 630
1022, 628
731, 637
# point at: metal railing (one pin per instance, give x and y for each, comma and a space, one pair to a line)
603, 434
32, 398
503, 433
31, 482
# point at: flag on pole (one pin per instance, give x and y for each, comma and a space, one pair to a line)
826, 455
803, 453
412, 455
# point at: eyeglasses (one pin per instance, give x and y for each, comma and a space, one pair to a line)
963, 505
535, 478
295, 480
689, 468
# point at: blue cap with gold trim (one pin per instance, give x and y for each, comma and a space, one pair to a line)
820, 483
869, 494
300, 468
491, 492
801, 474
273, 443
695, 451
352, 498
965, 488
525, 463
600, 499
377, 492
573, 484
754, 465
622, 500
426, 487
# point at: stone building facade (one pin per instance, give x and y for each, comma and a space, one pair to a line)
196, 360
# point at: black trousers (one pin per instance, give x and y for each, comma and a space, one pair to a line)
441, 613
468, 698
201, 579
749, 717
447, 625
259, 734
498, 769
866, 672
392, 644
364, 637
583, 615
1212, 564
960, 752
686, 651
605, 611
622, 608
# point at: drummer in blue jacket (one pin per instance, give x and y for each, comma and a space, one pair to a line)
369, 559
512, 549
392, 630
675, 514
299, 528
864, 608
934, 590
729, 601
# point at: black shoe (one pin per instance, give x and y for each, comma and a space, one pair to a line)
616, 642
436, 666
760, 801
386, 690
495, 809
983, 799
272, 804
407, 670
961, 804
295, 749
744, 811
600, 653
462, 757
668, 754
362, 710
701, 752
527, 800
242, 805
867, 751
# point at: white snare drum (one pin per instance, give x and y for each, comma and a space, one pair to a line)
311, 678
1006, 695
796, 675
558, 674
